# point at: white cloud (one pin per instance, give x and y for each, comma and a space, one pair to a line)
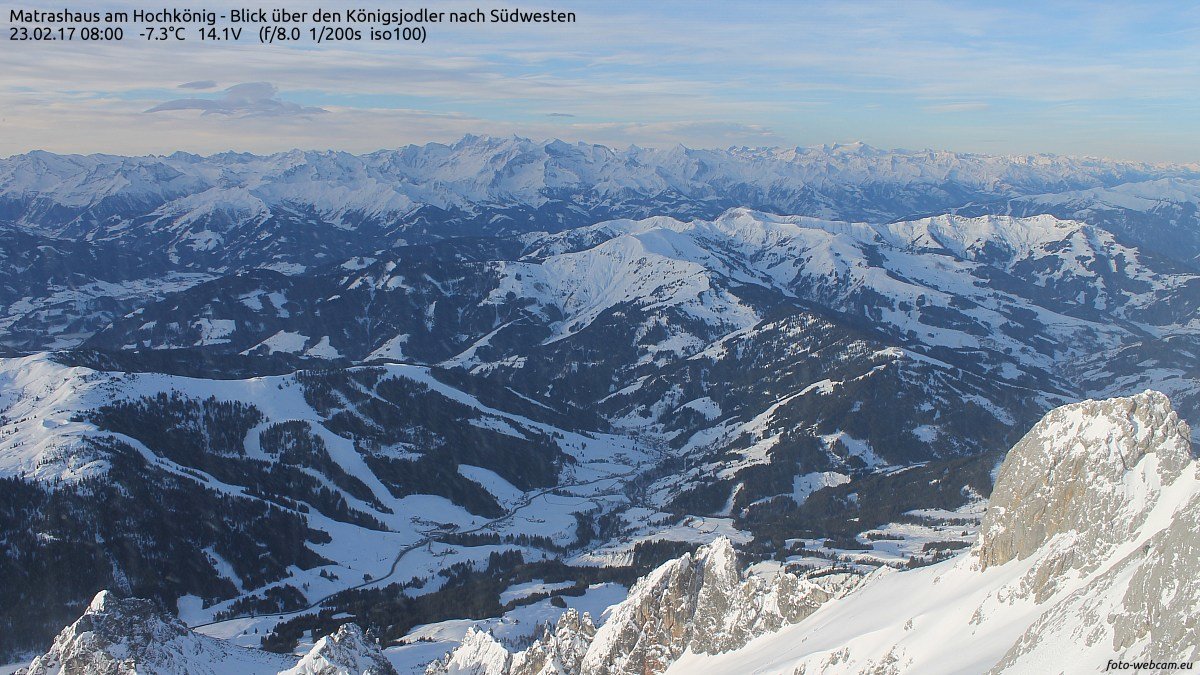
198, 84
965, 106
251, 99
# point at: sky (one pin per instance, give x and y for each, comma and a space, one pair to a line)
1119, 80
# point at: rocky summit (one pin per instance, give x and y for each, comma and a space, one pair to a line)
124, 636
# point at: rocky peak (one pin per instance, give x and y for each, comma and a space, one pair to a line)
1090, 472
124, 636
702, 602
346, 652
479, 654
559, 651
111, 635
1130, 514
118, 636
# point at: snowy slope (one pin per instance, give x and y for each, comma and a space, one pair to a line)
1073, 554
937, 261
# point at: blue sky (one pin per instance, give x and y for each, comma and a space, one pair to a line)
1110, 79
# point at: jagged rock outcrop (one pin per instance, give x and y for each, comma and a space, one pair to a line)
123, 636
346, 652
1142, 609
699, 602
130, 636
1143, 606
1080, 470
557, 652
479, 654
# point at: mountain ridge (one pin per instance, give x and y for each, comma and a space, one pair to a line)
1010, 599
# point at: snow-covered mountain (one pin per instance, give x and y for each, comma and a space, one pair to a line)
1160, 215
1004, 315
188, 215
1087, 554
480, 383
65, 194
1029, 291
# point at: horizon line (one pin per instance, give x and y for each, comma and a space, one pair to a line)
1192, 166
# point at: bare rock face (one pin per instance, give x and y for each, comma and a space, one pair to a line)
1109, 489
1143, 608
700, 602
1162, 598
346, 652
1080, 482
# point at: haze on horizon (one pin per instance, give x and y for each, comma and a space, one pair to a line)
1097, 79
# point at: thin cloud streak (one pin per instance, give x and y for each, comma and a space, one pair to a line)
251, 99
957, 107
